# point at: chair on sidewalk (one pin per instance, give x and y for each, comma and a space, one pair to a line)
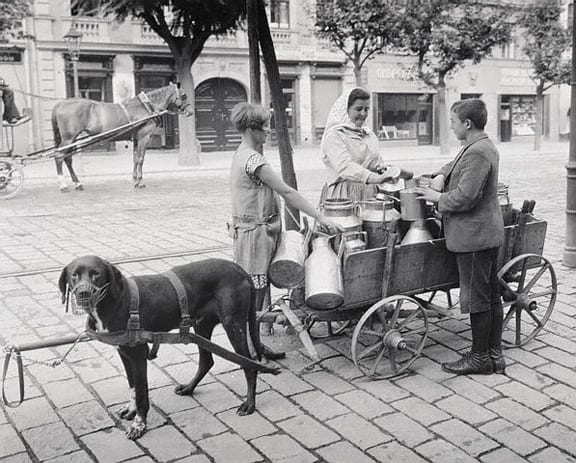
388, 132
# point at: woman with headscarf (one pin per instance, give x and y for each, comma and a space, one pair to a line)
350, 151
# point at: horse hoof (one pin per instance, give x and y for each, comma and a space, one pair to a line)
79, 187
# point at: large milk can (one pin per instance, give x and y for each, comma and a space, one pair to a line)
287, 268
345, 213
323, 280
376, 218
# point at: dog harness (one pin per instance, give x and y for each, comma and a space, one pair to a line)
135, 335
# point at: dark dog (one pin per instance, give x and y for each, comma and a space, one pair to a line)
218, 291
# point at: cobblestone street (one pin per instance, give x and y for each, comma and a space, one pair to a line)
331, 413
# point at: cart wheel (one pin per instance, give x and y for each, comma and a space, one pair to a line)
529, 292
11, 178
389, 337
326, 329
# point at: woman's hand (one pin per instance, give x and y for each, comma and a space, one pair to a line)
329, 224
427, 194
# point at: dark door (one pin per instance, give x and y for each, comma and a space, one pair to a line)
167, 135
215, 99
425, 119
505, 119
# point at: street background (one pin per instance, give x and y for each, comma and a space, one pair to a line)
331, 413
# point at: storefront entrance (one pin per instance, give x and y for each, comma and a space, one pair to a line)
215, 99
517, 116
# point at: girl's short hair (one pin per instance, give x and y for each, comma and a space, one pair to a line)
357, 94
245, 115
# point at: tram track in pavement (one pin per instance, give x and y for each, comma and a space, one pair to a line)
130, 260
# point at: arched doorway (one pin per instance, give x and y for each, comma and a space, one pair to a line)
215, 98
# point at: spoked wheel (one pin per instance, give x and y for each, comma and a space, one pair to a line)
389, 337
326, 329
529, 291
11, 178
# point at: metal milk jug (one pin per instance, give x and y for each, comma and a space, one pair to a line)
376, 217
323, 276
345, 213
287, 267
353, 242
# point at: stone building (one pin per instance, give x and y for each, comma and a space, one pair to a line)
119, 60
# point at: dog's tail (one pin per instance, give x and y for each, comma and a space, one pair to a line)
253, 323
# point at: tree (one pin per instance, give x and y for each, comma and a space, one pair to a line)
359, 28
11, 15
185, 26
545, 44
444, 35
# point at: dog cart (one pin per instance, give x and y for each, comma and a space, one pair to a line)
393, 292
12, 165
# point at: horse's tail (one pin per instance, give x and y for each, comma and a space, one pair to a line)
55, 128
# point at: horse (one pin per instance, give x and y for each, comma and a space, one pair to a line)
75, 116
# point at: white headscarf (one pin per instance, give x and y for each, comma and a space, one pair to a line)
338, 117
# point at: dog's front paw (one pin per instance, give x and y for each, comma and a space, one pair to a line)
247, 408
184, 389
136, 429
127, 412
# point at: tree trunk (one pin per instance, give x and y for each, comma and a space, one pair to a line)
442, 116
539, 116
188, 152
358, 74
254, 51
284, 146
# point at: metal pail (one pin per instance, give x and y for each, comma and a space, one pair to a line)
287, 268
411, 207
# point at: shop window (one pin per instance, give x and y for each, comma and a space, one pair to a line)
280, 14
404, 116
523, 110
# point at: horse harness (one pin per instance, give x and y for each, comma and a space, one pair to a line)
148, 106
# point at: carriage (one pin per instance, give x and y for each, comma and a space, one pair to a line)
393, 292
79, 123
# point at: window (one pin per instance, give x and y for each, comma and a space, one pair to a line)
280, 13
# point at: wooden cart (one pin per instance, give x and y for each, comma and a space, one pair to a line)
393, 291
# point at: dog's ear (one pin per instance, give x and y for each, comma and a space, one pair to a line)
63, 283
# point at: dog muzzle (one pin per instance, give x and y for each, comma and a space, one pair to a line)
85, 296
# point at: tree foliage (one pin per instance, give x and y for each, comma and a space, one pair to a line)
545, 42
185, 26
359, 28
444, 35
11, 15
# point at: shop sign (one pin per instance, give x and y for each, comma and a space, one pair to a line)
515, 77
10, 57
394, 73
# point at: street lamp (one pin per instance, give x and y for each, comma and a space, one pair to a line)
73, 39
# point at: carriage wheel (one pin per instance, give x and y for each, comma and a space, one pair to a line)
529, 291
389, 337
326, 329
11, 178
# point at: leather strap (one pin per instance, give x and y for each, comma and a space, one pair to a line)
15, 403
126, 113
185, 320
133, 326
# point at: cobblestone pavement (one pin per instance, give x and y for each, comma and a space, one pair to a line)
331, 413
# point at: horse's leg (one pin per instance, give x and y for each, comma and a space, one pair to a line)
60, 173
77, 184
140, 145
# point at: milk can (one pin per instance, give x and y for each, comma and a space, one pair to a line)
353, 242
345, 213
323, 276
376, 218
287, 267
411, 207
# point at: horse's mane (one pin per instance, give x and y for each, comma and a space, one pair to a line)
160, 94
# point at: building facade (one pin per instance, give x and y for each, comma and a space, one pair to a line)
119, 60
